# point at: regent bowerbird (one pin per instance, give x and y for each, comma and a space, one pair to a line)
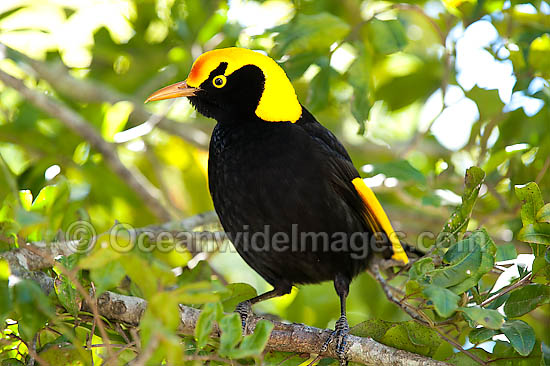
272, 164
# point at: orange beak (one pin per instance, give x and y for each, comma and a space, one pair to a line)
176, 90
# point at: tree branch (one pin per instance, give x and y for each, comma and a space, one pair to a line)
285, 337
148, 193
91, 92
25, 259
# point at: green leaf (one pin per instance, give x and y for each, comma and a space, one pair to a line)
409, 336
205, 324
274, 358
458, 222
488, 102
359, 78
236, 293
32, 306
231, 330
107, 276
254, 344
81, 153
320, 88
25, 197
535, 233
296, 65
413, 337
539, 55
531, 197
488, 250
196, 293
400, 169
165, 307
45, 199
372, 328
387, 36
115, 119
67, 355
506, 252
445, 301
6, 305
543, 215
417, 85
487, 318
521, 336
480, 335
420, 267
462, 359
458, 272
12, 362
308, 33
526, 299
141, 273
545, 349
67, 295
99, 258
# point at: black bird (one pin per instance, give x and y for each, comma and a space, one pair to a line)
283, 186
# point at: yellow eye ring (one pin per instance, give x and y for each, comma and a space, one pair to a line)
219, 81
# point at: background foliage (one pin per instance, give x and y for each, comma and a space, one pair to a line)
418, 91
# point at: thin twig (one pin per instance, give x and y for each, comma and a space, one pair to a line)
74, 121
524, 281
543, 170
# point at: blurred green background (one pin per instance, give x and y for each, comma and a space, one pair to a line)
418, 91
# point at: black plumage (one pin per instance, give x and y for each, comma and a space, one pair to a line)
283, 190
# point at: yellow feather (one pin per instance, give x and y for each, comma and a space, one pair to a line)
376, 210
278, 101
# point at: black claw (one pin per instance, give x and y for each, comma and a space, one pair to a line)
339, 334
341, 330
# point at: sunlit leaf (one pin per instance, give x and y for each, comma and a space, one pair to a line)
115, 119
253, 344
535, 233
531, 197
409, 336
539, 55
487, 318
205, 324
231, 330
543, 215
237, 292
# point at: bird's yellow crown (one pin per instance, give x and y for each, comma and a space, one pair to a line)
278, 101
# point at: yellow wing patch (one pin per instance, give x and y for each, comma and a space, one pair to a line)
377, 219
278, 102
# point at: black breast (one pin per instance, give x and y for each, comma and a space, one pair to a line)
273, 191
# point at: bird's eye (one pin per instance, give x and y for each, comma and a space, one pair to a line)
219, 81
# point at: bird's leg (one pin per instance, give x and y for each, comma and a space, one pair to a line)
245, 308
341, 329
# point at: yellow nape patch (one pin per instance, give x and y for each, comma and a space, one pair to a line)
278, 101
379, 219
